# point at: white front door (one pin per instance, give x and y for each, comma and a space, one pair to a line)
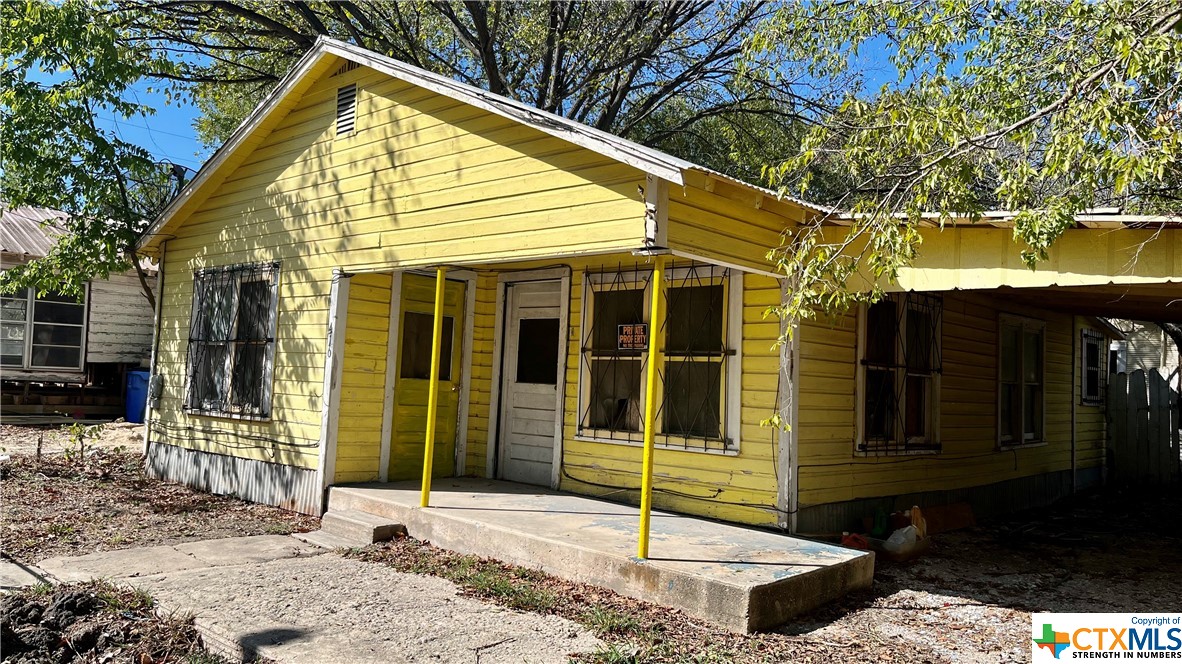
529, 387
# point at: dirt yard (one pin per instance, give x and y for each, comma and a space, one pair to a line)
101, 500
968, 600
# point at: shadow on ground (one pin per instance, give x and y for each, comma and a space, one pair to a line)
976, 588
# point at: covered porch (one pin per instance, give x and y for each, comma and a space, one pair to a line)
744, 579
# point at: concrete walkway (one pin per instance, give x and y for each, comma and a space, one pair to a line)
273, 596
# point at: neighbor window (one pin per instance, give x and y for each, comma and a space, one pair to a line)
900, 374
1020, 384
232, 340
1093, 374
42, 331
692, 385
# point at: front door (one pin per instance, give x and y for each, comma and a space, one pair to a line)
529, 386
414, 371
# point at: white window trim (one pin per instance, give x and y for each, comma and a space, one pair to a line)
861, 447
1025, 322
268, 358
27, 353
732, 367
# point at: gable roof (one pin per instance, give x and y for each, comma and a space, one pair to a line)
645, 159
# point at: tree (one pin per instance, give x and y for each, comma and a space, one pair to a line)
63, 66
618, 66
1041, 108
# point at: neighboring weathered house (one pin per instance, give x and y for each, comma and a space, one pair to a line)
1148, 347
51, 341
304, 266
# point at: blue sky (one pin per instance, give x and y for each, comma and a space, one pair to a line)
168, 134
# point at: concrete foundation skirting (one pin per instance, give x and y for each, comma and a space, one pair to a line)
292, 488
988, 500
736, 605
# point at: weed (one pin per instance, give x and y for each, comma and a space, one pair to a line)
60, 530
616, 653
78, 435
124, 598
42, 589
607, 621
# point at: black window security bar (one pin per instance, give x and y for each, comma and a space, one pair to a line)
1093, 379
232, 340
692, 378
901, 362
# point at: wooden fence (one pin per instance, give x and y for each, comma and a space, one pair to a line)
1143, 430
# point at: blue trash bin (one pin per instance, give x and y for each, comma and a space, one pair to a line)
136, 402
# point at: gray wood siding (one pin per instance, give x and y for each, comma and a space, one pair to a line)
120, 325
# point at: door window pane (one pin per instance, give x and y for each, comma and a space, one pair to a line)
537, 351
417, 330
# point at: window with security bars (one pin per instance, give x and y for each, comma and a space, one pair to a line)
900, 368
1020, 381
232, 340
42, 331
1093, 374
692, 376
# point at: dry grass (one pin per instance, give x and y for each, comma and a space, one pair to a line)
633, 631
103, 500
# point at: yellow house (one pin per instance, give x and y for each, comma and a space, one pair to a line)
302, 268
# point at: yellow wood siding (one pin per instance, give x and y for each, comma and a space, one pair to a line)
728, 223
423, 180
983, 258
363, 379
831, 472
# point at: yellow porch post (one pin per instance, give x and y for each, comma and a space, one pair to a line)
433, 385
656, 318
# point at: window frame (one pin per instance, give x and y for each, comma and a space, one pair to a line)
251, 272
1092, 336
864, 448
26, 364
1024, 323
729, 376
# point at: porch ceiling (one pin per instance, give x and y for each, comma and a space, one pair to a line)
1152, 302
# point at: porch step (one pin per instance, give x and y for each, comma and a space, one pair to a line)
325, 540
359, 528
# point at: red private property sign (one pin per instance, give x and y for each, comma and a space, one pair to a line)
633, 336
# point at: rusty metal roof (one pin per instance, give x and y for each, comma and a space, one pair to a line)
29, 231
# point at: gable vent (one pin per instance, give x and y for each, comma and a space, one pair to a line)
346, 108
347, 67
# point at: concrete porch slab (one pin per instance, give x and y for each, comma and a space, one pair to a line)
741, 578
